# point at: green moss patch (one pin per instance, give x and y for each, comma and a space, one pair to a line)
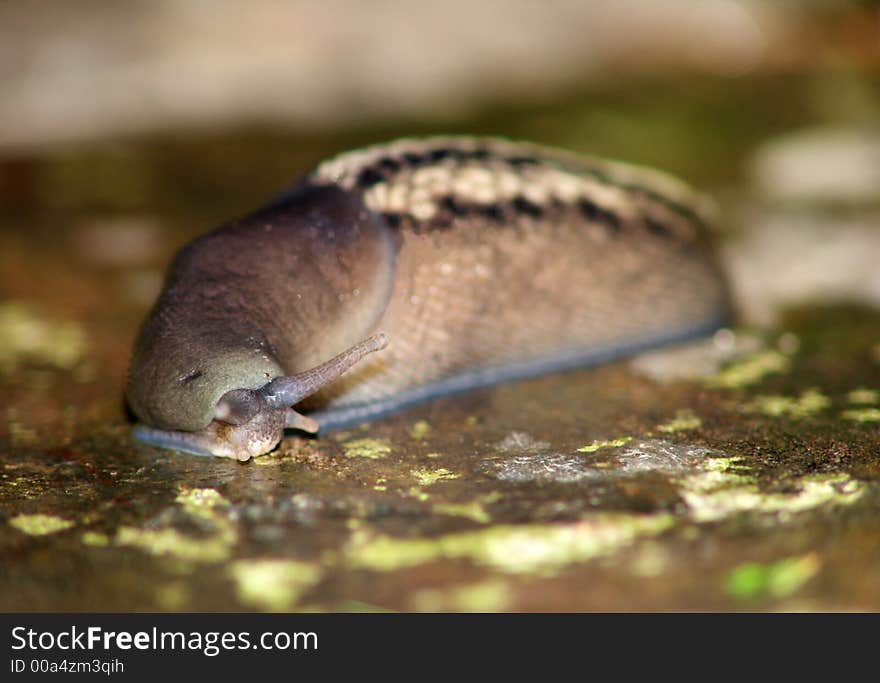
776, 580
596, 445
366, 448
721, 491
272, 585
39, 525
174, 544
750, 370
474, 511
862, 415
205, 504
527, 549
808, 403
95, 539
862, 396
684, 421
426, 476
494, 595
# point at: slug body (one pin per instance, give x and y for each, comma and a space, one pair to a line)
482, 260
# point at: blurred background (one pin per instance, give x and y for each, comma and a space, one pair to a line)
127, 128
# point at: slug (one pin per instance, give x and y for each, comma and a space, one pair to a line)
476, 260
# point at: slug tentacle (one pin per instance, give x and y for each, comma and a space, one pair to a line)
293, 420
286, 391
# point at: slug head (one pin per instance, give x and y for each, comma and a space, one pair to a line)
250, 422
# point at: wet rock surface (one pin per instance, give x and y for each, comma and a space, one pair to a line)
750, 480
451, 506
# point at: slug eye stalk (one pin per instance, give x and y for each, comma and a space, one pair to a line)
283, 392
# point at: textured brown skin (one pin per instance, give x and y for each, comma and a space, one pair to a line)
253, 300
293, 284
535, 291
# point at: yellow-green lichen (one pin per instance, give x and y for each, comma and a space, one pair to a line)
95, 539
473, 511
26, 335
718, 474
39, 525
201, 502
862, 414
862, 396
272, 585
494, 595
172, 543
718, 493
527, 549
417, 493
427, 477
366, 448
750, 370
685, 420
808, 403
420, 430
205, 504
596, 445
776, 580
